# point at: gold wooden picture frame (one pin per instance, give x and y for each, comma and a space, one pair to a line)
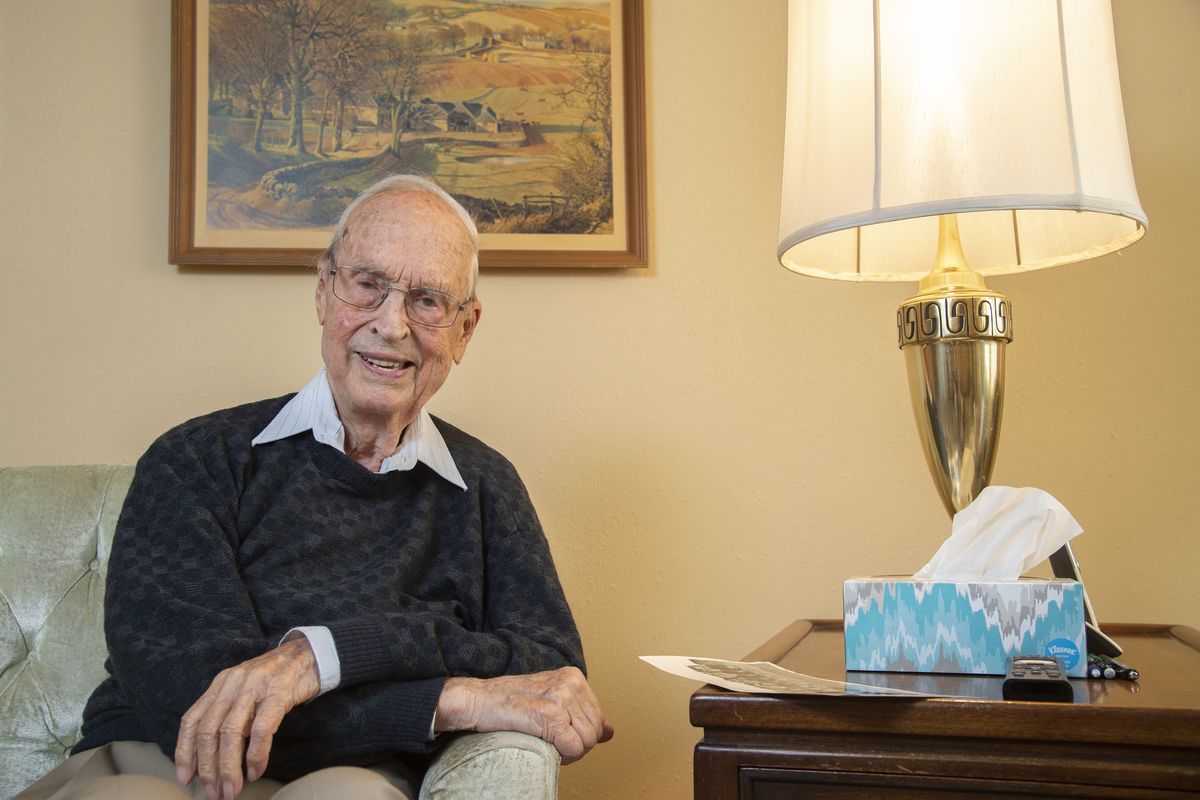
531, 113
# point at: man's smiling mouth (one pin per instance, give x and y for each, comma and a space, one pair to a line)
386, 364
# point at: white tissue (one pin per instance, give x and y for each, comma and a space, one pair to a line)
1000, 535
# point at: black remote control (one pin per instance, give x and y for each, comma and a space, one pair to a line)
1037, 678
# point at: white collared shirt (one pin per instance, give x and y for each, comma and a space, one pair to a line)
313, 409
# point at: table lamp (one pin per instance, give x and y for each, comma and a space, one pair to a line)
942, 141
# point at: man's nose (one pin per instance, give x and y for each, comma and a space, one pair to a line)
391, 318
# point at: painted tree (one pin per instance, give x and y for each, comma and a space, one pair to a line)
401, 61
220, 71
585, 174
592, 93
451, 37
475, 30
251, 57
302, 25
342, 69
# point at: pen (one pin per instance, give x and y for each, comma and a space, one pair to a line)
1120, 670
1098, 666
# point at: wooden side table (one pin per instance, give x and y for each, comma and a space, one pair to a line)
1118, 739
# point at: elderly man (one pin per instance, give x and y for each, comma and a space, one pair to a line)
309, 596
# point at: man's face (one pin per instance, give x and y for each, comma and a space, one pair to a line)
382, 367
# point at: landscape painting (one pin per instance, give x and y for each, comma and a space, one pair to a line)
519, 108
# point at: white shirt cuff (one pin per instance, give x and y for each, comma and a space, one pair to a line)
329, 666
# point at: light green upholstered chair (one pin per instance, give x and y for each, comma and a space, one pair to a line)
56, 526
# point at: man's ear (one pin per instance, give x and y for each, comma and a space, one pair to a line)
322, 287
466, 328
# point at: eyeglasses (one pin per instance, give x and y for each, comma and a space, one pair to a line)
362, 288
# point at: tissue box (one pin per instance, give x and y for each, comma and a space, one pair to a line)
898, 624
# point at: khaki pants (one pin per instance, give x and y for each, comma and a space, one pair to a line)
490, 766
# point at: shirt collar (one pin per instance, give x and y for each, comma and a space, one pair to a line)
313, 409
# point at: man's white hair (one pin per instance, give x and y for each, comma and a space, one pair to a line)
410, 183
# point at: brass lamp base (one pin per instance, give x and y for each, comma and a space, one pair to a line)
953, 334
954, 348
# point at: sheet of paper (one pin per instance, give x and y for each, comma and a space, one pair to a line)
762, 677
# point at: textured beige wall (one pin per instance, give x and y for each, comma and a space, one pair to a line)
713, 443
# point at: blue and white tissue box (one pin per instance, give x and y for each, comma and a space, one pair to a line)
899, 624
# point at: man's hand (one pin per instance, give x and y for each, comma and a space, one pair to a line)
247, 700
556, 706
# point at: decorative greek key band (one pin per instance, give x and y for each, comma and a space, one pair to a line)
946, 318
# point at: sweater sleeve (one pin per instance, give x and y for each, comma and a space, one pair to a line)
177, 613
527, 625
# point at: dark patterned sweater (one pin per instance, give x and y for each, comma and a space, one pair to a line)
222, 548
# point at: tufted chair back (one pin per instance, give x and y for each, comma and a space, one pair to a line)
56, 527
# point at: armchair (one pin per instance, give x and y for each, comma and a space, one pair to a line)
56, 526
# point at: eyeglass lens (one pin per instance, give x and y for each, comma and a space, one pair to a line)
368, 290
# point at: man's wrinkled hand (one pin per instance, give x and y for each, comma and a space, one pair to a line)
248, 700
557, 706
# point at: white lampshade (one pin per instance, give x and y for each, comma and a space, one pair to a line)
1006, 112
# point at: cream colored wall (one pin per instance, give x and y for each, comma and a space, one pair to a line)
713, 443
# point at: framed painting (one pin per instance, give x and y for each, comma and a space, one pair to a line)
529, 112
